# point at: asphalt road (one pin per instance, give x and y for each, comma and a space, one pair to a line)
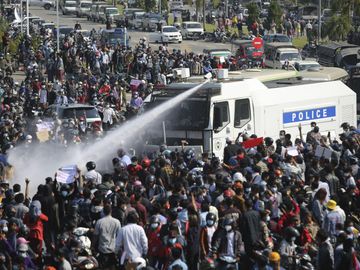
70, 20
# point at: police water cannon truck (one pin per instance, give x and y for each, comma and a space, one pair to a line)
225, 108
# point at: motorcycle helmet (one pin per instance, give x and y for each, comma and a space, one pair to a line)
268, 141
146, 162
291, 232
90, 165
150, 179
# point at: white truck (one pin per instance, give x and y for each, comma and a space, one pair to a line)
226, 108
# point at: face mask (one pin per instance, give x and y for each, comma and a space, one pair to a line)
64, 193
228, 228
210, 223
154, 226
172, 241
267, 218
293, 239
22, 254
274, 189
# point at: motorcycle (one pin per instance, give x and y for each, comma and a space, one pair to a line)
85, 260
220, 36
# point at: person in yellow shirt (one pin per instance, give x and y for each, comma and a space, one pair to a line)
234, 21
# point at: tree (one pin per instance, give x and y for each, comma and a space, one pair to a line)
254, 13
275, 14
150, 5
198, 6
341, 22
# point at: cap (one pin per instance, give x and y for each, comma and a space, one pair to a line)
274, 257
21, 240
331, 205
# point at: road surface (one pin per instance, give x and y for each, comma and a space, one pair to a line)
70, 20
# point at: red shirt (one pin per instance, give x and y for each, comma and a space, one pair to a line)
36, 228
155, 243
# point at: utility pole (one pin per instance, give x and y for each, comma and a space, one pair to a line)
57, 27
319, 22
204, 17
21, 16
27, 18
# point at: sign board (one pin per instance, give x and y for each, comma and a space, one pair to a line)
309, 115
66, 174
257, 43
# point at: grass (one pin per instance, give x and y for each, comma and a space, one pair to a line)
299, 42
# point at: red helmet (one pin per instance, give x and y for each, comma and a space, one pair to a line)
146, 162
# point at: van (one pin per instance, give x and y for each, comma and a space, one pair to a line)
69, 7
136, 20
94, 9
277, 54
100, 12
226, 109
83, 8
108, 13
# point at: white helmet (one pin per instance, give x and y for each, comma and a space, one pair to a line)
141, 263
238, 177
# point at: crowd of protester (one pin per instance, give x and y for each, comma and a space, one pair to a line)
257, 208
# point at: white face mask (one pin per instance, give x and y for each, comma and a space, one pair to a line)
293, 239
267, 218
228, 228
154, 225
210, 223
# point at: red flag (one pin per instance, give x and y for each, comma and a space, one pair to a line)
253, 142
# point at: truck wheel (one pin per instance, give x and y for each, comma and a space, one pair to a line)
179, 42
47, 6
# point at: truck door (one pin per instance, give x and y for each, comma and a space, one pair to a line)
243, 120
221, 127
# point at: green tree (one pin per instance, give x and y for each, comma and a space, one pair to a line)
275, 14
341, 22
198, 7
254, 13
150, 5
164, 5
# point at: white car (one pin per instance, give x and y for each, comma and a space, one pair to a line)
69, 7
167, 34
47, 4
83, 8
191, 30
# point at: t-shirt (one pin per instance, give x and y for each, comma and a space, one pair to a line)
107, 229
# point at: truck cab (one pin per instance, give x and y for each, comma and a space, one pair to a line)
278, 54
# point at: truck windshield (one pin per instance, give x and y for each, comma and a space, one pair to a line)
188, 115
85, 5
169, 30
194, 25
291, 56
112, 11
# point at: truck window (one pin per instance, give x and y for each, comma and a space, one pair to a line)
242, 112
221, 116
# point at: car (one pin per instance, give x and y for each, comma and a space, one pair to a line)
191, 30
167, 34
114, 37
85, 33
136, 20
46, 4
152, 20
100, 9
83, 8
69, 7
65, 112
306, 65
109, 13
218, 52
63, 31
270, 38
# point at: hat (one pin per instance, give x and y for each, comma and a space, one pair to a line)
331, 205
21, 240
274, 257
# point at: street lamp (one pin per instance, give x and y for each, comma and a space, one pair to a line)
319, 22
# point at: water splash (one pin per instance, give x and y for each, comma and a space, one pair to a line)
39, 162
